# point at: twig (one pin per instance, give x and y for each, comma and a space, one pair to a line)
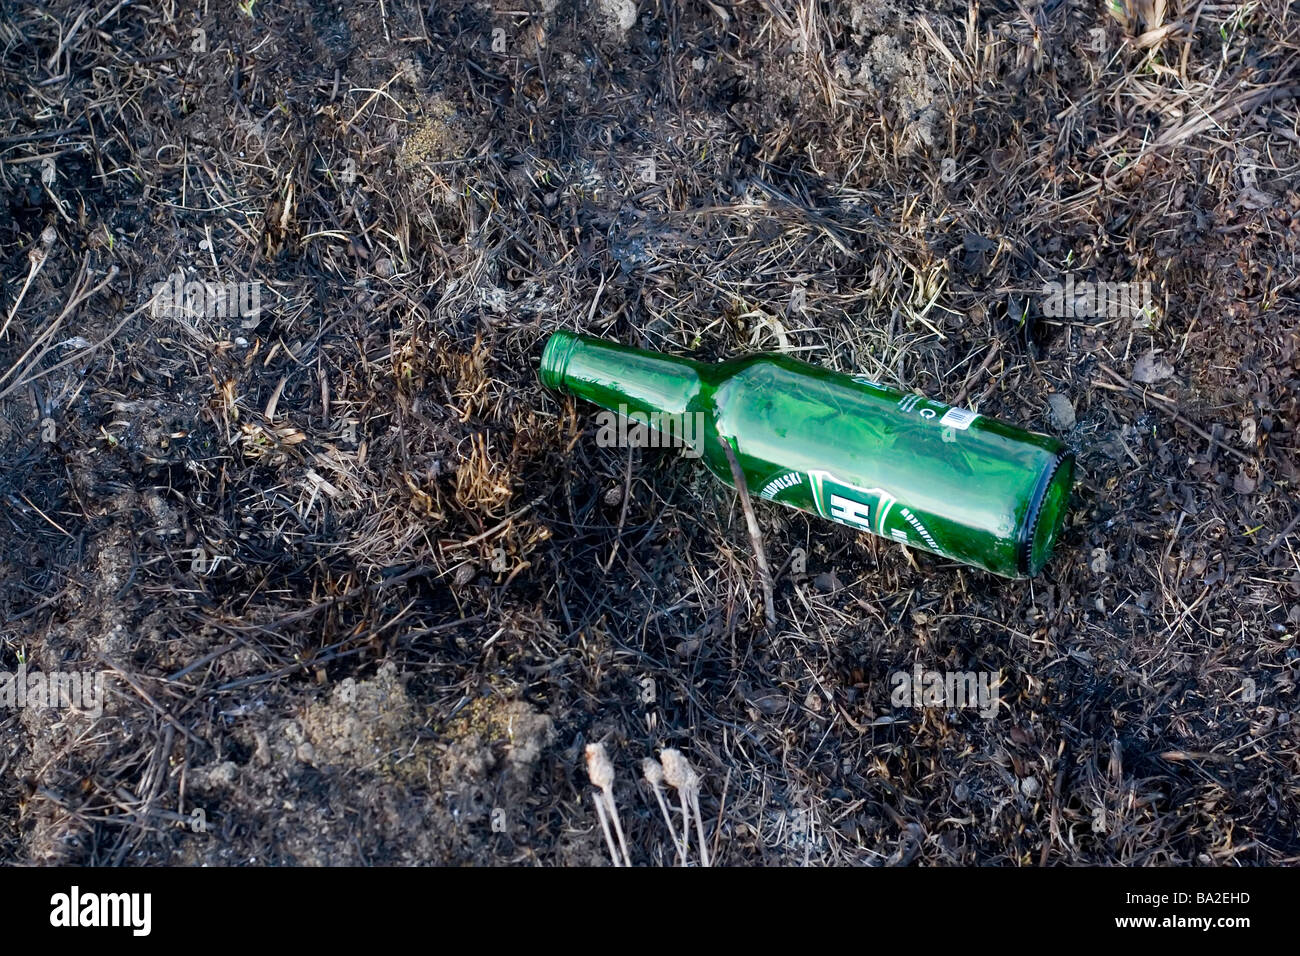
500, 526
36, 259
1295, 522
24, 379
653, 772
622, 514
755, 537
1179, 417
975, 375
158, 708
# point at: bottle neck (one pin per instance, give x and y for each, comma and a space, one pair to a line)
618, 377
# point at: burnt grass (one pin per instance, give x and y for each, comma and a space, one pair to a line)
363, 590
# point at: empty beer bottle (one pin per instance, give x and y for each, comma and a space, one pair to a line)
947, 480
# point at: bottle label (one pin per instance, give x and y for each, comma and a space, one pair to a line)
863, 508
958, 419
782, 482
869, 509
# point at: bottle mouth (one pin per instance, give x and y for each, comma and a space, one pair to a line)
555, 359
1046, 514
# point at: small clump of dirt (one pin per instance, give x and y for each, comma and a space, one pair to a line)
436, 137
429, 794
368, 724
617, 17
904, 76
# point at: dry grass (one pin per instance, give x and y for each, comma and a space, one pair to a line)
367, 483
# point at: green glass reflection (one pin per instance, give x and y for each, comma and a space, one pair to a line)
898, 465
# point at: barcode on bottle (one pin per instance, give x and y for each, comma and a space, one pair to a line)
958, 418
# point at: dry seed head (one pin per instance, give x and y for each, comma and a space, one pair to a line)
678, 770
599, 769
652, 771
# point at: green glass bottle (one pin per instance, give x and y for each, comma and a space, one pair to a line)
909, 469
